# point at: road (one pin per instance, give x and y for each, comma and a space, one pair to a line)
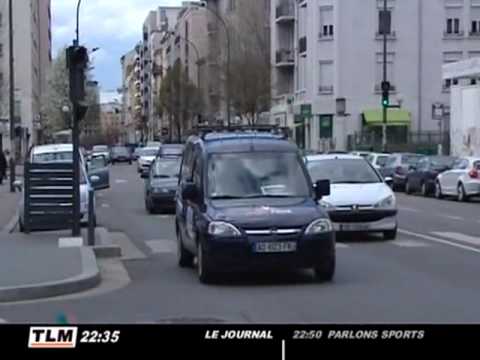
429, 274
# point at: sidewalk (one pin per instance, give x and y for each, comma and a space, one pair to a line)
8, 204
33, 266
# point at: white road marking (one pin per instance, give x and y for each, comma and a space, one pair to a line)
457, 218
106, 206
409, 243
3, 321
434, 239
120, 181
341, 246
408, 209
165, 216
459, 237
162, 246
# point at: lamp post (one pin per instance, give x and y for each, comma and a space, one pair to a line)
203, 4
13, 147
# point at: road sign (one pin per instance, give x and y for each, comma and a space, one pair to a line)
306, 110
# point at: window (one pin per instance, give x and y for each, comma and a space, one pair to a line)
460, 164
187, 164
1, 79
326, 22
1, 19
326, 77
1, 50
232, 5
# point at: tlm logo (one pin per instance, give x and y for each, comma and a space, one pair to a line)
54, 337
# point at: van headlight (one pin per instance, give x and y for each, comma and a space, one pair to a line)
326, 205
220, 228
387, 203
319, 226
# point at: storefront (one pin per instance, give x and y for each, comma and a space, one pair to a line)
398, 124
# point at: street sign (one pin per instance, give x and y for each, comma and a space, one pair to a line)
437, 111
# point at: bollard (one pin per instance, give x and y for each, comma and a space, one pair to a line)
91, 214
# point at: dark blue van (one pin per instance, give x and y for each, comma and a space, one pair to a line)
245, 201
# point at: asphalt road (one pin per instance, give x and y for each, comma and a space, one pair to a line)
429, 274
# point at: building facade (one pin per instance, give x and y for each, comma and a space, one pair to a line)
129, 89
324, 50
32, 61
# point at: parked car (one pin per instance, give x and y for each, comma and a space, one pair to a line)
360, 200
161, 184
378, 160
120, 154
98, 166
462, 181
101, 150
171, 150
245, 201
60, 153
147, 155
397, 167
422, 176
136, 153
153, 144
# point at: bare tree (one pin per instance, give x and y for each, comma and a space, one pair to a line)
179, 99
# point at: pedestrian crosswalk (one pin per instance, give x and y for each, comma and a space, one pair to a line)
406, 239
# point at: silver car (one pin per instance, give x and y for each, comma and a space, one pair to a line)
462, 182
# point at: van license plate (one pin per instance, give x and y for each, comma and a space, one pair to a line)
354, 227
276, 247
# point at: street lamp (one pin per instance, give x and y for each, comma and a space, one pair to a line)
203, 4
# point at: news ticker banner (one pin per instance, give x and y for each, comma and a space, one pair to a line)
272, 339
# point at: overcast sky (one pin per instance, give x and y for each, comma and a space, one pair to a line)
115, 26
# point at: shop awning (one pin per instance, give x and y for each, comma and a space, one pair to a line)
395, 117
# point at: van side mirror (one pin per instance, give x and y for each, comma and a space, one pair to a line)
322, 188
389, 181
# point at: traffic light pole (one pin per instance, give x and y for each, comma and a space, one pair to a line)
76, 231
384, 106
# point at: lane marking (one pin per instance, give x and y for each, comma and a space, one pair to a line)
445, 242
459, 237
120, 181
341, 246
409, 244
162, 246
105, 206
409, 209
457, 218
3, 321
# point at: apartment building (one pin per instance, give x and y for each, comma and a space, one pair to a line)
157, 23
324, 50
246, 21
32, 60
130, 86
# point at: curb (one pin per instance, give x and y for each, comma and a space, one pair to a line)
105, 247
89, 278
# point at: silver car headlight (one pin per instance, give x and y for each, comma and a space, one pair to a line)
319, 226
387, 203
220, 228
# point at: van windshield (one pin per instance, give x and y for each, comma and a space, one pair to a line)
254, 175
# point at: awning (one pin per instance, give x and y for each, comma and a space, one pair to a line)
395, 117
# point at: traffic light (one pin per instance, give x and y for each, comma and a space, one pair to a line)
77, 61
385, 99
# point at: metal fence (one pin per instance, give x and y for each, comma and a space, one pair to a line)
48, 196
418, 142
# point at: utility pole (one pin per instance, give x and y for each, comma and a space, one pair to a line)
13, 147
385, 29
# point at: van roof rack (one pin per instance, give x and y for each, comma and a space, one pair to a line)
275, 130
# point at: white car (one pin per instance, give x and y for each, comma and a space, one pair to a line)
378, 160
61, 153
102, 150
462, 182
146, 158
363, 154
360, 200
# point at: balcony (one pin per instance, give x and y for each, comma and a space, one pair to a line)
302, 46
285, 57
157, 70
474, 34
213, 91
453, 35
325, 89
285, 12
